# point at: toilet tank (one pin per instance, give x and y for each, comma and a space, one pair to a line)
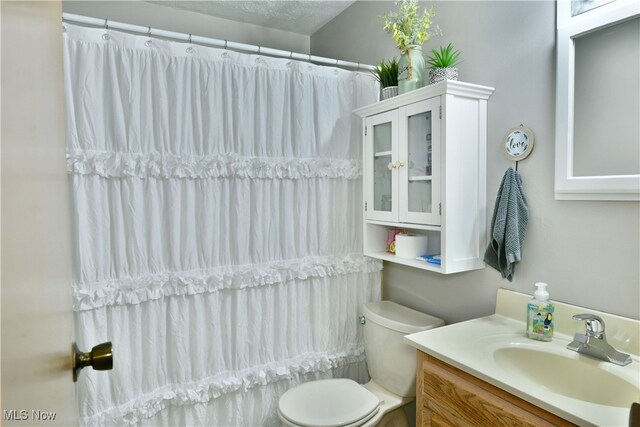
391, 362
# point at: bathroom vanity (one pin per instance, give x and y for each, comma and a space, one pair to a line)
487, 372
447, 396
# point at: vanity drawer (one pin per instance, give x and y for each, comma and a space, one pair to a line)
449, 397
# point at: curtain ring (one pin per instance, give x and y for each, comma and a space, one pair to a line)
259, 49
309, 55
225, 44
106, 35
290, 54
190, 48
149, 42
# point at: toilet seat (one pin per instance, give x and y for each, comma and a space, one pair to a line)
334, 402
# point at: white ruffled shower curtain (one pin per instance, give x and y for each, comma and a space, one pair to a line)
216, 204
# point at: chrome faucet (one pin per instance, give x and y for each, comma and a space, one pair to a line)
594, 342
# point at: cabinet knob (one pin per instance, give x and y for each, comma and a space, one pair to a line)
395, 165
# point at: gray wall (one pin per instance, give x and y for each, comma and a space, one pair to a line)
183, 21
588, 252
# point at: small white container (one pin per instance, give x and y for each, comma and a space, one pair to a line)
389, 92
410, 246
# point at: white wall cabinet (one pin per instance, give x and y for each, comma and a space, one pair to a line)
402, 178
425, 172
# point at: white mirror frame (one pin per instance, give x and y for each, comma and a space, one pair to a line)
567, 186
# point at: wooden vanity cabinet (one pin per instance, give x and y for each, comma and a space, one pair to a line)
449, 397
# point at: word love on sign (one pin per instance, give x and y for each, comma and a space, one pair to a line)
518, 143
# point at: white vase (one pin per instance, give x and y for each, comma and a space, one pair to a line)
389, 92
438, 74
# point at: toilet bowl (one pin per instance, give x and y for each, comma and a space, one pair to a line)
392, 367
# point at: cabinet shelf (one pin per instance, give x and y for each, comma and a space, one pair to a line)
420, 178
385, 256
383, 153
404, 225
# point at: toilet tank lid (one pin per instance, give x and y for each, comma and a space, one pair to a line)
398, 317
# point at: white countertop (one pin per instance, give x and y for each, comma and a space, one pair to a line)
482, 347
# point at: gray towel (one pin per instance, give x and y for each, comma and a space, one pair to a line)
508, 226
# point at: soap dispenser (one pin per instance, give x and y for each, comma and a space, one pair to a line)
540, 315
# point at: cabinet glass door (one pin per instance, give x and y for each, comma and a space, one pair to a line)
419, 162
381, 155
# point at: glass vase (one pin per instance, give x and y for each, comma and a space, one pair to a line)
410, 69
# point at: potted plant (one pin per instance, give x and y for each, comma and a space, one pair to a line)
443, 64
409, 30
386, 73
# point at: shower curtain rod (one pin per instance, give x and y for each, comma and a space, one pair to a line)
189, 38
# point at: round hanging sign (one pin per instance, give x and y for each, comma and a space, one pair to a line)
518, 143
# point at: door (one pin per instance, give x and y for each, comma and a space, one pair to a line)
37, 321
419, 162
381, 163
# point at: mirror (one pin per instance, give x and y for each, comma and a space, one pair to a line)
598, 101
582, 6
606, 108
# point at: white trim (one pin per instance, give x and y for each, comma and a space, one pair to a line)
450, 87
568, 186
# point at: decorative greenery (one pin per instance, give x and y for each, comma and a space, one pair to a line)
444, 58
386, 73
407, 26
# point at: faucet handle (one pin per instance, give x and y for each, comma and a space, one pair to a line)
594, 325
581, 338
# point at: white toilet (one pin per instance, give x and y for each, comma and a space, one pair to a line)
392, 367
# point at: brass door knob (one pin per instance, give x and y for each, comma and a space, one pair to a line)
99, 358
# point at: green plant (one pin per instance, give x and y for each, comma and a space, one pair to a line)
386, 73
444, 58
407, 26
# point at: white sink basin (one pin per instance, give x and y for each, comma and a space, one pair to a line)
576, 387
582, 378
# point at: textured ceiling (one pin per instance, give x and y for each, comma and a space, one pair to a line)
296, 16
